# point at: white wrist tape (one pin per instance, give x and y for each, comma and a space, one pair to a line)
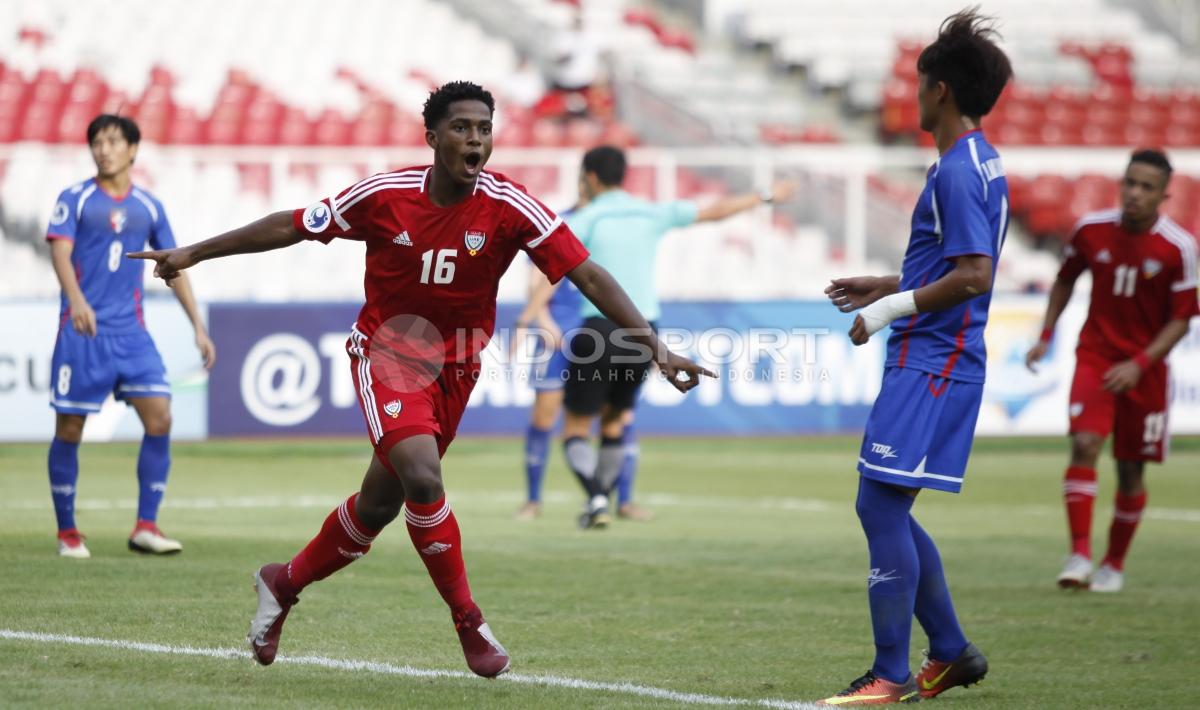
887, 309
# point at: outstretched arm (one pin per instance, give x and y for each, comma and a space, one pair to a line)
274, 231
728, 207
970, 277
603, 290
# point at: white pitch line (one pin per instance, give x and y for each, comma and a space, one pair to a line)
664, 500
407, 671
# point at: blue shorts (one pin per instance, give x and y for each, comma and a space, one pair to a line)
549, 375
85, 370
920, 430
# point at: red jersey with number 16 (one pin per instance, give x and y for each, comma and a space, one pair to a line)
442, 264
1139, 281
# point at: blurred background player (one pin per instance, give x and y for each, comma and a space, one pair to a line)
622, 232
548, 378
103, 346
921, 427
1143, 268
439, 238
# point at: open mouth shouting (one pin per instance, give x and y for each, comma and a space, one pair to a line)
473, 163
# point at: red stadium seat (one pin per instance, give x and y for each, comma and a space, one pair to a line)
331, 128
186, 127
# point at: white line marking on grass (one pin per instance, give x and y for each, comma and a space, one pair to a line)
664, 500
406, 671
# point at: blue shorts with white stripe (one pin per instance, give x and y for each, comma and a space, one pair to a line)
84, 370
920, 430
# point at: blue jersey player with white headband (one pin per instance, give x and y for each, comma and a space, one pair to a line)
103, 346
920, 429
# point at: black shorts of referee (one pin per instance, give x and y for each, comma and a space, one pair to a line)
607, 367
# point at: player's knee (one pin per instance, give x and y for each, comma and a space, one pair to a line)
422, 481
159, 424
377, 512
1085, 448
69, 428
1131, 477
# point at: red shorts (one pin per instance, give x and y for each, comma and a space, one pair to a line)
1137, 418
394, 414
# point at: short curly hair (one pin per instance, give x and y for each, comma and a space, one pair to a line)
438, 103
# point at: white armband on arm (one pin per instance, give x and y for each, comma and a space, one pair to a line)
887, 309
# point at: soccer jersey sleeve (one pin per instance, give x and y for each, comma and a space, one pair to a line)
680, 213
63, 220
1074, 262
962, 210
161, 235
1184, 301
347, 215
547, 240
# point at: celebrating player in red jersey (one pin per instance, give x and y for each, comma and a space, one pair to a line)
438, 239
1143, 295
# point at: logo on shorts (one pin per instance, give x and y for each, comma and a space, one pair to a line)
392, 408
116, 218
474, 241
1151, 267
316, 217
1076, 409
884, 451
1150, 450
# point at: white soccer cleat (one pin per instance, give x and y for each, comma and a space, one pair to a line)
70, 544
148, 539
1076, 573
1108, 579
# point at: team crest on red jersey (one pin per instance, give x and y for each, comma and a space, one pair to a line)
474, 241
116, 218
1151, 267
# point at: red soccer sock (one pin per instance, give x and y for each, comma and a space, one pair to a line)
1125, 521
1079, 491
342, 540
434, 533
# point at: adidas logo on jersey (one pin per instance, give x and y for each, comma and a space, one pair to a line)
402, 239
1104, 257
434, 548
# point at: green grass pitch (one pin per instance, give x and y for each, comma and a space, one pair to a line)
749, 585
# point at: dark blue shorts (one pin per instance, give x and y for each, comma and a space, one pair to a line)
85, 370
920, 430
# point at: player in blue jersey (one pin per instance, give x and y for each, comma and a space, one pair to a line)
103, 346
603, 378
920, 430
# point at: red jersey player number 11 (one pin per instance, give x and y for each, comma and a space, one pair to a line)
438, 238
1143, 296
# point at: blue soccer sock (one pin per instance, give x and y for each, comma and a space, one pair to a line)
629, 466
154, 463
63, 465
895, 570
934, 608
537, 451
